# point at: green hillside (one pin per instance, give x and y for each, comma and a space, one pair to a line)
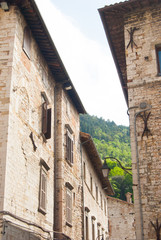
114, 141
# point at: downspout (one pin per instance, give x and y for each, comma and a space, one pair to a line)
144, 107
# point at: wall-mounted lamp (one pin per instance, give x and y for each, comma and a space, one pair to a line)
105, 169
115, 159
4, 6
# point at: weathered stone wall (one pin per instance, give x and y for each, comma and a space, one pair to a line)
144, 86
23, 91
96, 208
66, 114
7, 30
121, 219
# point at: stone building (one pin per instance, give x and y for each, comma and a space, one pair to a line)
39, 124
133, 32
121, 219
95, 190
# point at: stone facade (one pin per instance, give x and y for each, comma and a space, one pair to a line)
143, 86
120, 219
67, 173
133, 31
94, 193
20, 103
42, 191
27, 155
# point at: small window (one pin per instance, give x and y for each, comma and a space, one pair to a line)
105, 206
87, 229
158, 52
69, 146
101, 200
84, 171
93, 230
69, 206
91, 184
46, 118
96, 193
27, 41
43, 186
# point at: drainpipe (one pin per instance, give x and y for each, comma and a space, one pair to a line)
144, 107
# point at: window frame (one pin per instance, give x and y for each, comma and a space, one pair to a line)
43, 190
69, 145
69, 194
158, 49
44, 168
91, 183
46, 117
27, 41
96, 193
87, 227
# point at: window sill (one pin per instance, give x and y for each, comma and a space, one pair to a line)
69, 224
42, 211
70, 163
25, 51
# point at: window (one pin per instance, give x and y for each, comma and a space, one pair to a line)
87, 234
46, 117
101, 200
96, 193
69, 206
91, 183
69, 188
93, 227
158, 52
69, 144
43, 186
98, 233
84, 171
27, 41
105, 206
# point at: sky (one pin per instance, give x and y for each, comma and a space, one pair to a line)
77, 32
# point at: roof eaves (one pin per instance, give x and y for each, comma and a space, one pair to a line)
30, 11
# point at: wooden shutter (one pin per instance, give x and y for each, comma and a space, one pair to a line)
43, 188
69, 206
27, 41
44, 118
48, 132
69, 148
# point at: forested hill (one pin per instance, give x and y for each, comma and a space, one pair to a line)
114, 141
110, 139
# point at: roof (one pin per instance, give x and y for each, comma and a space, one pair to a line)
39, 30
112, 17
113, 199
96, 161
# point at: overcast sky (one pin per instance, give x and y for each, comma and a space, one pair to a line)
77, 31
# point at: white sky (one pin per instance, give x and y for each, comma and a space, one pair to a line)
77, 32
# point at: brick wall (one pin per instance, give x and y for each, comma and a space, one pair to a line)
144, 86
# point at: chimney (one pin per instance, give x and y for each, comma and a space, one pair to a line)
128, 197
